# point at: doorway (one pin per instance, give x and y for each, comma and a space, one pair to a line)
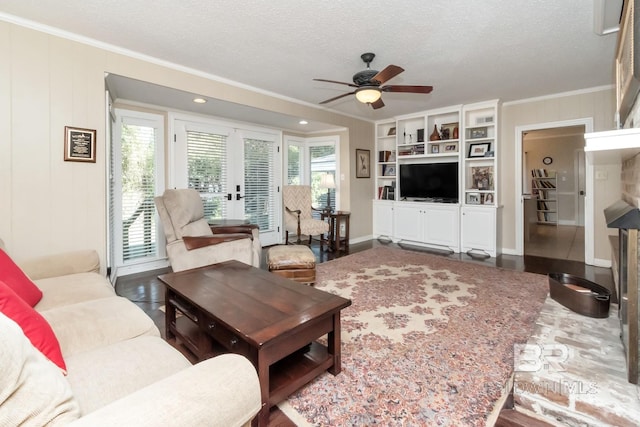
552, 190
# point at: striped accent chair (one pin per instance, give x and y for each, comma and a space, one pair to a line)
297, 214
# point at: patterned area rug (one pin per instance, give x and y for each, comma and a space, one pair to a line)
427, 340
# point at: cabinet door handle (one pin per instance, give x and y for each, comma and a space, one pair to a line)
234, 341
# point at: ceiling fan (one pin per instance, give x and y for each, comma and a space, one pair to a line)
368, 84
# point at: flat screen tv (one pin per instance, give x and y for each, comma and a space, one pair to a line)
430, 181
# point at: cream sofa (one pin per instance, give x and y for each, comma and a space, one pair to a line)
119, 370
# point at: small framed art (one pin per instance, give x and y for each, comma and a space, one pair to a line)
478, 149
473, 198
79, 144
478, 133
363, 162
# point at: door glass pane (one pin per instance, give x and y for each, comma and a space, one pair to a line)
207, 163
294, 172
138, 146
323, 160
259, 175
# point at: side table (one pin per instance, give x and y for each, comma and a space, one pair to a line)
336, 242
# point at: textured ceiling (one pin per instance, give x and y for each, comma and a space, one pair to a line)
468, 50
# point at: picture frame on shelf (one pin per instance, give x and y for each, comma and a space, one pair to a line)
473, 198
363, 163
392, 131
489, 153
487, 199
476, 133
451, 147
478, 149
482, 177
449, 130
390, 170
435, 149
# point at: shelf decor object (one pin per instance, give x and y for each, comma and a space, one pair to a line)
478, 133
435, 135
479, 149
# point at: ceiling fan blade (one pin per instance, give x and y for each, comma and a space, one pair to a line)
377, 104
333, 81
387, 74
408, 89
337, 97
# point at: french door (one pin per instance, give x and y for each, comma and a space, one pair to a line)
236, 171
135, 177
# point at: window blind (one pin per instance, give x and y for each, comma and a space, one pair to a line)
138, 189
207, 174
259, 175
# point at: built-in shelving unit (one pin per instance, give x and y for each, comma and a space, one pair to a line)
480, 179
466, 135
480, 154
545, 188
386, 154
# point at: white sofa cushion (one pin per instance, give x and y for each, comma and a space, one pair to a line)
33, 391
230, 398
91, 324
108, 373
72, 288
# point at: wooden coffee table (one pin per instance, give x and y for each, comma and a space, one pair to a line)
234, 307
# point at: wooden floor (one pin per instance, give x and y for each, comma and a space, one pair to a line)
148, 293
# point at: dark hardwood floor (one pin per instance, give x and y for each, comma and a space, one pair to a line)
148, 293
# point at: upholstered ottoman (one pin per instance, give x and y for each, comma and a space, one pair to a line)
295, 262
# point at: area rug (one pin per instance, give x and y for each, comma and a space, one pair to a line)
427, 341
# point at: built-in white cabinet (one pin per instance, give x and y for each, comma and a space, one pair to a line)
383, 218
431, 224
462, 137
479, 230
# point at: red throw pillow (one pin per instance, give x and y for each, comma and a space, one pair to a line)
13, 277
34, 326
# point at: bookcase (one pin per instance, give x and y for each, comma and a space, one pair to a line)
385, 158
544, 187
466, 135
479, 196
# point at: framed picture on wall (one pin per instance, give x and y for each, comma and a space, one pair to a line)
363, 163
79, 144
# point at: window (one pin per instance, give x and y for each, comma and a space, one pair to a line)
308, 160
136, 168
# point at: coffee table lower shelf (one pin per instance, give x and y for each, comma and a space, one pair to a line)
285, 376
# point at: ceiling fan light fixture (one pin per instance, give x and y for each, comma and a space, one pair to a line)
368, 95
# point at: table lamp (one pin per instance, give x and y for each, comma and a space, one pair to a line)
327, 181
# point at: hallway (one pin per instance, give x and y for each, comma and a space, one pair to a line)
559, 242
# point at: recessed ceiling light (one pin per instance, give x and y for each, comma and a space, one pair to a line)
199, 100
303, 122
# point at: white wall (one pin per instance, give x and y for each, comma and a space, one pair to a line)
47, 83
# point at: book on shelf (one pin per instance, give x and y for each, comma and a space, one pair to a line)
383, 156
386, 192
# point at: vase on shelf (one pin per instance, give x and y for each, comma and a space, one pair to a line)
435, 136
455, 133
